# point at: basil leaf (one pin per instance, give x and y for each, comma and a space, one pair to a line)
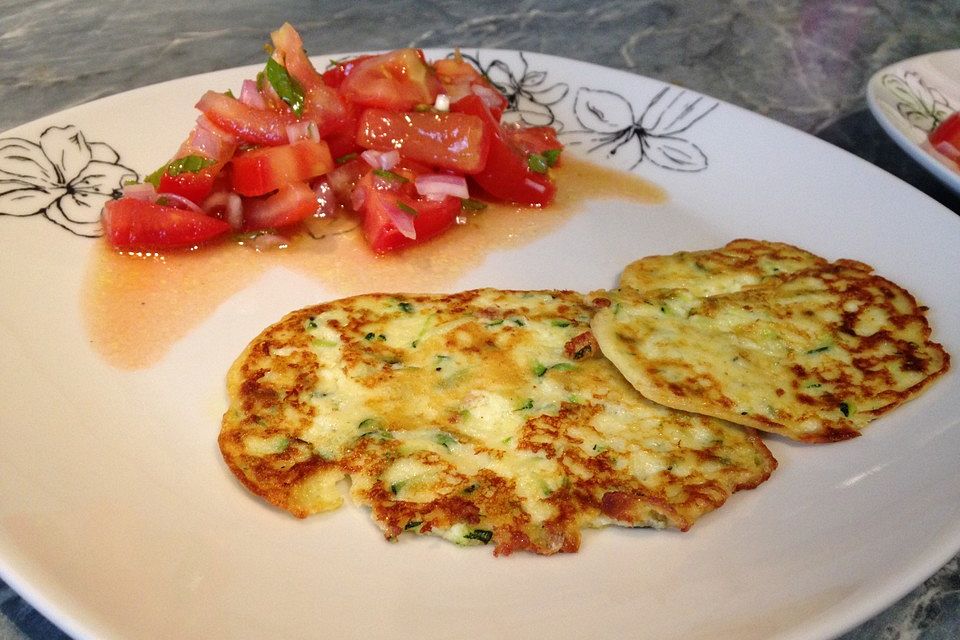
285, 85
189, 164
537, 163
389, 175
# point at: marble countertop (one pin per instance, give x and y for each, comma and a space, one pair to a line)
803, 63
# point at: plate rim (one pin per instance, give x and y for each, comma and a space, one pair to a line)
75, 626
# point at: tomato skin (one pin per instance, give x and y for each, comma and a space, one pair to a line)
433, 217
324, 106
255, 126
456, 141
458, 79
947, 135
288, 50
139, 225
532, 140
260, 171
337, 73
399, 80
194, 186
343, 140
291, 203
507, 175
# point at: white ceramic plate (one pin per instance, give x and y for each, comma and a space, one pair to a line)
909, 98
118, 518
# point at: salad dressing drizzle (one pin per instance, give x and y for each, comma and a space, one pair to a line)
137, 306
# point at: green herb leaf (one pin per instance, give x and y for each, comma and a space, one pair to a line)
552, 156
445, 440
389, 175
483, 535
407, 209
537, 163
471, 204
154, 178
406, 307
189, 164
285, 85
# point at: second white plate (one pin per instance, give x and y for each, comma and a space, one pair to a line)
909, 98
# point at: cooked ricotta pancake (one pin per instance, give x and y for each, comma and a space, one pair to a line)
482, 417
740, 264
814, 355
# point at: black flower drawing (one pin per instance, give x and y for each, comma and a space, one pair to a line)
530, 98
62, 177
658, 134
920, 104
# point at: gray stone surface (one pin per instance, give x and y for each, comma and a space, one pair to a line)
804, 63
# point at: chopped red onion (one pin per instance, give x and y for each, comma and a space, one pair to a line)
234, 210
357, 198
140, 191
209, 140
402, 220
303, 130
533, 184
250, 95
490, 97
185, 203
385, 160
437, 186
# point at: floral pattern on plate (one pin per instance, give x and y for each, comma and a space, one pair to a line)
62, 177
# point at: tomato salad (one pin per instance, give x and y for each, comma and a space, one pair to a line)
399, 142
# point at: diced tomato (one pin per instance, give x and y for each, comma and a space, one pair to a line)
399, 80
292, 203
507, 174
288, 51
946, 137
459, 79
206, 144
260, 171
335, 75
324, 106
208, 140
140, 225
343, 139
532, 140
455, 141
194, 186
386, 208
256, 126
345, 177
